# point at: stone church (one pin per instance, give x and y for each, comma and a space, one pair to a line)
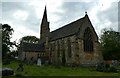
74, 43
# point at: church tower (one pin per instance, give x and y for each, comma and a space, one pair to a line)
44, 26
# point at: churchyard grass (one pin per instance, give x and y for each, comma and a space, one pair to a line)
34, 70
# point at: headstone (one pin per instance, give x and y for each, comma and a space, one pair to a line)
7, 71
100, 67
46, 62
59, 61
31, 61
20, 68
114, 66
39, 62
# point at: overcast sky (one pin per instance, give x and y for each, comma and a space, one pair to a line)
24, 16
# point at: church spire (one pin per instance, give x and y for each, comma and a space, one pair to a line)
44, 26
45, 15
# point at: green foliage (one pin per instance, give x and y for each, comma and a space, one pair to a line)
34, 70
7, 32
29, 39
110, 44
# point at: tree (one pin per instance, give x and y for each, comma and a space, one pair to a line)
110, 44
7, 32
29, 39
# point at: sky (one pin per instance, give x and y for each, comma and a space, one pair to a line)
24, 16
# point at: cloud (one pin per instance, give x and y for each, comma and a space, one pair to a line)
25, 17
71, 11
18, 0
119, 16
22, 15
102, 14
0, 11
19, 34
108, 18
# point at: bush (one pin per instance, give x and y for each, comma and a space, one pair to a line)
113, 69
6, 61
100, 67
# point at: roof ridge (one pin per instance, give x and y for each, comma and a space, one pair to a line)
66, 30
67, 24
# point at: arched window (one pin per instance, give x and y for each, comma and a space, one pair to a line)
88, 40
69, 48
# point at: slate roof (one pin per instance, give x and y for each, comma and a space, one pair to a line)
67, 30
32, 47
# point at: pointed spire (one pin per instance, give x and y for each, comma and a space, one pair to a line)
45, 11
45, 14
44, 25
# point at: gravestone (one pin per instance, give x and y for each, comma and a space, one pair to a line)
20, 68
31, 61
7, 71
107, 67
100, 67
46, 62
114, 66
39, 62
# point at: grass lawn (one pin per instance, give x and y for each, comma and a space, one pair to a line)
34, 70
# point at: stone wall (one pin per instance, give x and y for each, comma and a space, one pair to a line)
78, 56
29, 55
61, 46
90, 57
21, 55
80, 51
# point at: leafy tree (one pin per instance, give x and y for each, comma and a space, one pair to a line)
29, 39
110, 44
7, 32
